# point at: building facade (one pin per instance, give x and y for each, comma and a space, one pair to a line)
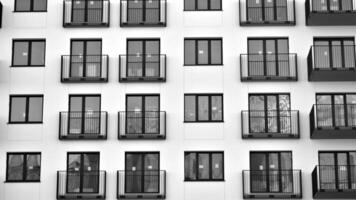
188, 99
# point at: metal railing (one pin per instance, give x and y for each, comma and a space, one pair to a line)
282, 12
143, 12
331, 57
333, 116
334, 178
268, 66
330, 6
84, 125
86, 13
142, 67
272, 183
271, 123
141, 184
139, 124
76, 68
81, 185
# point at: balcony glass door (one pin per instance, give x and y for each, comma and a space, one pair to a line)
335, 110
84, 11
82, 173
143, 116
85, 60
268, 57
144, 11
332, 5
266, 10
84, 114
143, 59
334, 53
142, 173
271, 172
269, 113
337, 170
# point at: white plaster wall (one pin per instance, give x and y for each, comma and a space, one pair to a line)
180, 137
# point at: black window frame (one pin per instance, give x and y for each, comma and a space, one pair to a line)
31, 7
209, 39
24, 168
210, 166
29, 52
26, 108
209, 95
197, 9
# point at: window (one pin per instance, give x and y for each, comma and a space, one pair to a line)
202, 5
30, 5
28, 53
203, 51
203, 108
267, 10
332, 5
26, 109
23, 167
204, 166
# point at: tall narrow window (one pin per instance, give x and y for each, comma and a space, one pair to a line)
203, 51
26, 109
23, 167
28, 53
30, 5
202, 5
203, 107
204, 166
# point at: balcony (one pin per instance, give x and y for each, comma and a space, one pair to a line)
270, 124
330, 12
334, 182
280, 14
268, 67
85, 185
338, 66
83, 125
333, 121
90, 68
141, 184
142, 68
143, 13
83, 13
272, 184
142, 125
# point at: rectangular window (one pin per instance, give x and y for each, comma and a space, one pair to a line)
203, 51
203, 107
26, 109
204, 166
30, 5
202, 5
23, 167
28, 53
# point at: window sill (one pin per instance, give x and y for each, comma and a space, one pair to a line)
203, 121
14, 66
21, 181
203, 10
208, 180
197, 65
29, 11
24, 122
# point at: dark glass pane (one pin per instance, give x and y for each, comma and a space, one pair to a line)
33, 167
20, 56
18, 109
39, 5
190, 162
215, 4
23, 5
203, 4
217, 166
151, 173
216, 52
15, 167
216, 108
189, 52
203, 54
189, 4
203, 165
35, 109
203, 108
189, 108
38, 53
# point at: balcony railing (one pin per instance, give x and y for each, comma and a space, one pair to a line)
333, 121
270, 124
281, 13
142, 125
83, 13
332, 63
150, 184
89, 68
143, 13
334, 182
268, 67
268, 184
330, 12
142, 68
81, 185
83, 125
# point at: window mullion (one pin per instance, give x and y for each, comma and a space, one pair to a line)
209, 107
24, 167
209, 52
29, 53
196, 52
27, 108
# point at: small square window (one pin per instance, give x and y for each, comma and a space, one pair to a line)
203, 108
23, 167
203, 51
26, 109
204, 166
30, 5
28, 53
